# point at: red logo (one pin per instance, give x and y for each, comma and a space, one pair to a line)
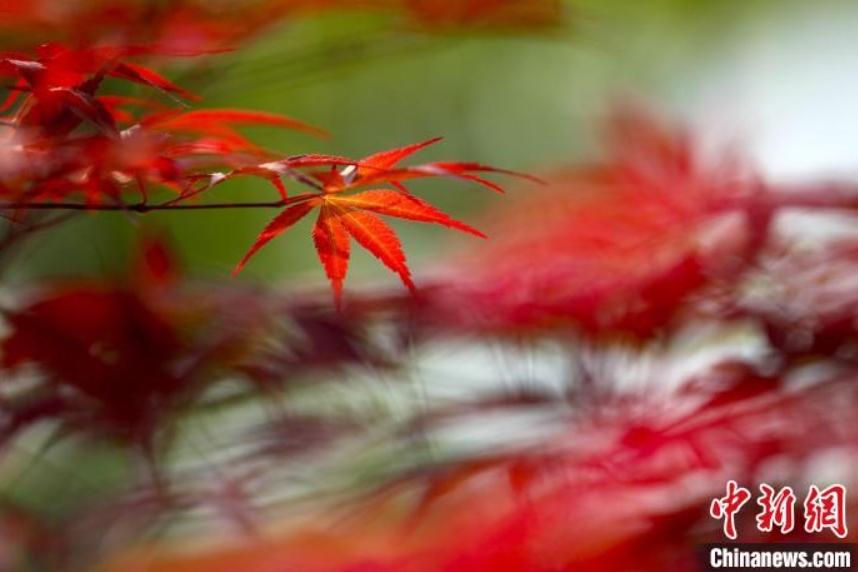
826, 509
823, 509
727, 506
778, 509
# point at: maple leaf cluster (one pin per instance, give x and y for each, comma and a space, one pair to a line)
65, 139
68, 145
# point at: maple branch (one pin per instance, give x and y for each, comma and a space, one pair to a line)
144, 207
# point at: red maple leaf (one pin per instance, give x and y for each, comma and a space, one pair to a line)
346, 216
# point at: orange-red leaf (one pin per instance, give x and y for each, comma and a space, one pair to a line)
331, 180
400, 205
377, 163
386, 159
145, 76
333, 248
445, 169
381, 168
199, 120
282, 222
378, 238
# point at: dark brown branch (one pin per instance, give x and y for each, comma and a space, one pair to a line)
144, 207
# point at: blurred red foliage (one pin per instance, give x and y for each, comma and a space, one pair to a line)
629, 491
120, 358
105, 344
615, 247
189, 26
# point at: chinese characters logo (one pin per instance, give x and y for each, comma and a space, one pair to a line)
823, 509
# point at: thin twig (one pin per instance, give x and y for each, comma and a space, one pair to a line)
144, 207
